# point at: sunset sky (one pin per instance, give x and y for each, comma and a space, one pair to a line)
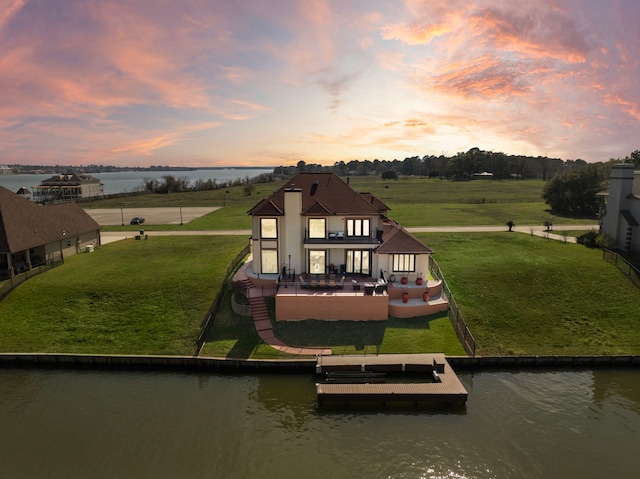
272, 82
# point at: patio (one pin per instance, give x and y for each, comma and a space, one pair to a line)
350, 297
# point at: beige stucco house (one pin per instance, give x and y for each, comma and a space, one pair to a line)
324, 238
622, 215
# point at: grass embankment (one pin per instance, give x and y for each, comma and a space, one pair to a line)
526, 295
129, 297
519, 295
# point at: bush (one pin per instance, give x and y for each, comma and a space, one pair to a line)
594, 239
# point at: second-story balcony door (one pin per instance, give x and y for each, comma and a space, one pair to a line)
358, 261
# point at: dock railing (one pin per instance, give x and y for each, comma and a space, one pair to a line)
455, 316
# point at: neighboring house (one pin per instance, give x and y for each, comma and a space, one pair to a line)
32, 234
317, 226
69, 186
622, 216
5, 170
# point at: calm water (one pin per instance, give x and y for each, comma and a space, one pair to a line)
125, 181
71, 424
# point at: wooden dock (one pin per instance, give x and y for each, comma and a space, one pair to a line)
436, 381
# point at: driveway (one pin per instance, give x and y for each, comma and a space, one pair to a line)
152, 216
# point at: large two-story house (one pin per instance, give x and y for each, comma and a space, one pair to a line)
337, 245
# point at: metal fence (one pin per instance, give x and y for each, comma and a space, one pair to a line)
455, 316
213, 310
13, 282
623, 265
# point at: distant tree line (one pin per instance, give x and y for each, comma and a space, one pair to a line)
461, 166
458, 167
172, 184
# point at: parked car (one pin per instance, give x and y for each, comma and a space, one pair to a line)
137, 220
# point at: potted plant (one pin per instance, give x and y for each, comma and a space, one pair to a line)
404, 280
425, 295
419, 279
405, 296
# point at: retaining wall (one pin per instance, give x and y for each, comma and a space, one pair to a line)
191, 363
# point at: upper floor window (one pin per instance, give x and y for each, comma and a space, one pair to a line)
268, 228
359, 227
317, 228
404, 263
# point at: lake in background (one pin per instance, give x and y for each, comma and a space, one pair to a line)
524, 425
127, 181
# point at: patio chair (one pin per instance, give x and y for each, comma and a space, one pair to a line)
303, 283
313, 284
332, 283
323, 283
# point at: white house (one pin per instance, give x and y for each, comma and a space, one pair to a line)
620, 220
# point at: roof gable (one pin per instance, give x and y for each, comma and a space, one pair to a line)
396, 239
323, 193
24, 224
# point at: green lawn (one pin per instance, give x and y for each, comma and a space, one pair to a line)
525, 295
413, 201
128, 297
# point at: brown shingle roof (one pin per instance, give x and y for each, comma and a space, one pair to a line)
322, 192
395, 239
24, 224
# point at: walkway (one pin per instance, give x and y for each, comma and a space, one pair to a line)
262, 321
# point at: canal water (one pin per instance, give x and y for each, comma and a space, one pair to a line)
128, 181
79, 424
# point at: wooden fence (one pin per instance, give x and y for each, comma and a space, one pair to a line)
213, 310
14, 281
623, 265
455, 316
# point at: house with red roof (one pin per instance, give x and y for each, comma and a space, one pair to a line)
333, 253
32, 234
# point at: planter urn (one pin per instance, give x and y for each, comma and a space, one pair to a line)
425, 296
405, 297
418, 281
404, 280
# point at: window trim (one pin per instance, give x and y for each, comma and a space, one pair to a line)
262, 229
324, 228
355, 224
404, 263
262, 256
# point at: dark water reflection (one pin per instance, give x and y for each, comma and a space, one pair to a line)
522, 425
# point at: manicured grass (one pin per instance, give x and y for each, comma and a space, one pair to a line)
488, 214
128, 297
526, 295
413, 201
417, 335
